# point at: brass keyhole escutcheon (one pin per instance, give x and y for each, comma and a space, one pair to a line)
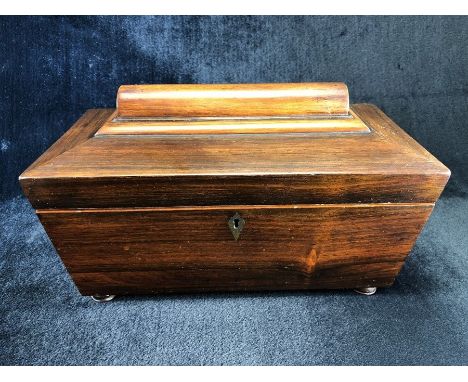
236, 224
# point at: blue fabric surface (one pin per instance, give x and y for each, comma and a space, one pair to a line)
422, 319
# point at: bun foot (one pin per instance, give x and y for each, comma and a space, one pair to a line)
103, 297
368, 291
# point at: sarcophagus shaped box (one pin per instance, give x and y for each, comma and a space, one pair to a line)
187, 188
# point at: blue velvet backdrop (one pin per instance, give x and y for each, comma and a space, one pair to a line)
54, 68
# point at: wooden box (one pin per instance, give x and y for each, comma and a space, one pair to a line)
186, 188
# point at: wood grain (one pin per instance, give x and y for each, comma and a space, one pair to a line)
130, 191
232, 100
245, 280
346, 124
183, 249
142, 208
146, 171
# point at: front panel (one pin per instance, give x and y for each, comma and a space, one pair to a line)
151, 250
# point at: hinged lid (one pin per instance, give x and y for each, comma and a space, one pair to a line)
249, 144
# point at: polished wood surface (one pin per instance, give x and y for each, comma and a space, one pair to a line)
232, 109
155, 282
146, 171
345, 124
129, 191
232, 100
280, 247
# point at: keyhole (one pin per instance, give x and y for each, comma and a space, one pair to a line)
236, 224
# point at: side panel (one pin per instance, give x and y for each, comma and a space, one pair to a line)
153, 250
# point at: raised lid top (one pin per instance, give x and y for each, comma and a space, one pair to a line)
232, 109
232, 100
